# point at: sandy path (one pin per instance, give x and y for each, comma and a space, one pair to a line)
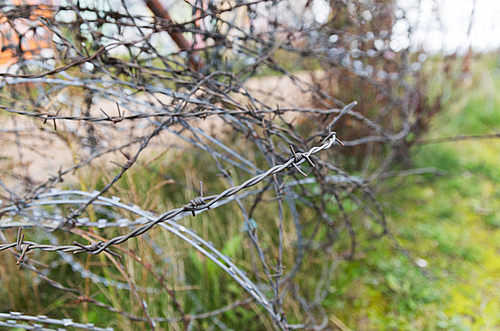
31, 152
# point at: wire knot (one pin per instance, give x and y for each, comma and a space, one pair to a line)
196, 202
332, 137
21, 246
89, 248
93, 247
297, 156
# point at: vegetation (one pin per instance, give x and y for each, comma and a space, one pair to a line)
404, 237
450, 221
449, 224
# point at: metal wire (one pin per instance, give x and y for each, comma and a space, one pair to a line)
103, 84
12, 319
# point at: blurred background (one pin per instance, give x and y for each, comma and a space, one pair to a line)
117, 117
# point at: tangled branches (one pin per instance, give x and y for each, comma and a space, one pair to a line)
85, 85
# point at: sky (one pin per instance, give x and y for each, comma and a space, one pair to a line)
441, 25
451, 31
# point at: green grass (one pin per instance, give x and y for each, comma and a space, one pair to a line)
451, 221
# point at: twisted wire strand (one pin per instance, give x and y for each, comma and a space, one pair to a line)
213, 199
197, 204
13, 317
152, 93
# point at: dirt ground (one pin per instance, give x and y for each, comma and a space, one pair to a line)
32, 151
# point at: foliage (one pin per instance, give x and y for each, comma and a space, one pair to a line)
344, 245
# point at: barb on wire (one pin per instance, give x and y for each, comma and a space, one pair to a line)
11, 321
113, 88
197, 204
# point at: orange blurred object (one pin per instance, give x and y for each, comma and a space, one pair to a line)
24, 37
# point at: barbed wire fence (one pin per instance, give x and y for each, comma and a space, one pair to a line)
91, 83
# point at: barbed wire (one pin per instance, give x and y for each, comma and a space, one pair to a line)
13, 317
247, 85
195, 205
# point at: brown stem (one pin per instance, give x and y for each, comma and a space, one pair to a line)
195, 60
